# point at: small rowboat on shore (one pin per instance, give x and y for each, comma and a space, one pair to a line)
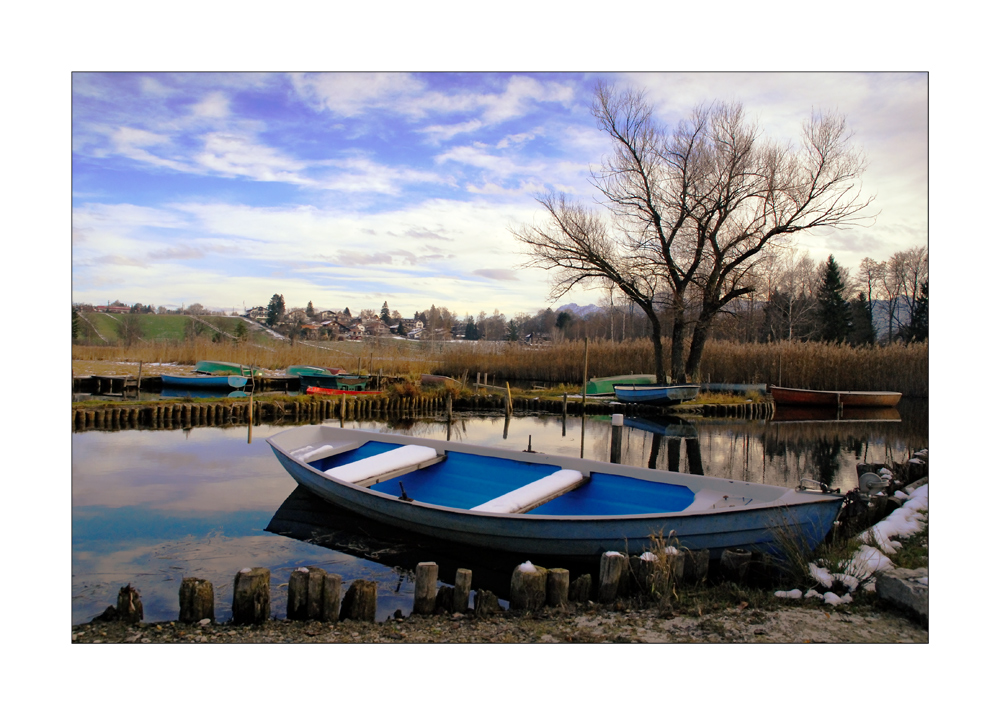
600, 386
299, 370
542, 504
340, 381
211, 367
835, 398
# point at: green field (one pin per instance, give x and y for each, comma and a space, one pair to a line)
158, 327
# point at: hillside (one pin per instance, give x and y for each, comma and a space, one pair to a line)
100, 327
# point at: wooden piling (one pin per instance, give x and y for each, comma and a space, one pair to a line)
611, 571
734, 564
197, 600
617, 427
557, 588
308, 597
360, 602
129, 605
580, 588
425, 590
252, 596
696, 565
463, 587
527, 587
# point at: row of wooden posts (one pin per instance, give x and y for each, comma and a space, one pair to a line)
314, 594
194, 414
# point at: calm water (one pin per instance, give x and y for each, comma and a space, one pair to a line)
150, 507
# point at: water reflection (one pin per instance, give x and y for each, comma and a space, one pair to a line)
153, 506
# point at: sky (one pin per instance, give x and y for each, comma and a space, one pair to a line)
350, 189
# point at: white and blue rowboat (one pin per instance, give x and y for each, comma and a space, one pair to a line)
656, 394
540, 504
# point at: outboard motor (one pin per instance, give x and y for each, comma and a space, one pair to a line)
870, 484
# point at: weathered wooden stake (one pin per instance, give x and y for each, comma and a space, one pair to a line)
696, 566
527, 587
129, 605
360, 602
580, 588
617, 426
557, 588
252, 596
612, 569
197, 600
485, 603
734, 563
425, 589
463, 586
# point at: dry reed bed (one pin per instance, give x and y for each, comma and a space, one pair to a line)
819, 366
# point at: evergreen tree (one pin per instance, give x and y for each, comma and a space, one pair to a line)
862, 326
275, 310
919, 328
834, 310
76, 325
309, 310
347, 312
384, 315
471, 331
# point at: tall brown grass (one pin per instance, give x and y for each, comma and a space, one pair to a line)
819, 366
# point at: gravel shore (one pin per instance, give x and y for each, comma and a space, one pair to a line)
579, 623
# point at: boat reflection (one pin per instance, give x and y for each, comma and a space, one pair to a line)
187, 392
305, 517
787, 413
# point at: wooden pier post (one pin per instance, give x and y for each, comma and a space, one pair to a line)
360, 602
425, 589
611, 572
579, 589
527, 587
197, 600
557, 588
695, 565
129, 605
313, 595
734, 564
617, 427
463, 587
252, 596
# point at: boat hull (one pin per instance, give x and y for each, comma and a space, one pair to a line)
750, 527
602, 386
349, 383
299, 370
211, 367
332, 391
217, 383
656, 394
847, 398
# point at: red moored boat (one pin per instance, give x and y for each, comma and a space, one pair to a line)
847, 398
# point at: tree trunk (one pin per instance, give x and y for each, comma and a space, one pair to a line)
677, 349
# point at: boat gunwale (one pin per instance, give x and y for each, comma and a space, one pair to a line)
781, 499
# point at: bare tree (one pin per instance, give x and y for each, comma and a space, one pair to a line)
693, 209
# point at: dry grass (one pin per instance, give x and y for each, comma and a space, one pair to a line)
820, 366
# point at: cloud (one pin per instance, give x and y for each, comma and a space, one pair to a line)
215, 106
496, 274
235, 155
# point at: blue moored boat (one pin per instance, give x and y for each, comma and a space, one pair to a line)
656, 394
540, 504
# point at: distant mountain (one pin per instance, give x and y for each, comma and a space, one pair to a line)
578, 310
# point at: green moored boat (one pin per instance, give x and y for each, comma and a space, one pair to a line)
210, 367
299, 370
600, 386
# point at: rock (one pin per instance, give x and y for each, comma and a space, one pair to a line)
907, 588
